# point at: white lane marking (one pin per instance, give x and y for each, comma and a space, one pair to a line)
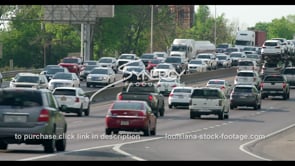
242, 147
205, 128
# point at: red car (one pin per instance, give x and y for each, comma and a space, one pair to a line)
130, 115
73, 64
153, 63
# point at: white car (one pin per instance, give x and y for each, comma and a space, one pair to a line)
180, 96
165, 85
224, 85
62, 79
197, 65
247, 65
223, 60
101, 76
161, 55
29, 80
74, 98
125, 58
272, 47
247, 77
163, 70
108, 62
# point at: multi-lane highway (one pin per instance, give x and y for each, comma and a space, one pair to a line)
178, 137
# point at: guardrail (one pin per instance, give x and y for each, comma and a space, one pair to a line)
9, 74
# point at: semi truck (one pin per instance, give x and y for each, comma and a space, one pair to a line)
249, 38
184, 48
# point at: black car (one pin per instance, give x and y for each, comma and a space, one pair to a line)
138, 74
177, 62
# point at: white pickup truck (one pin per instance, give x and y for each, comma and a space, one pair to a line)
208, 100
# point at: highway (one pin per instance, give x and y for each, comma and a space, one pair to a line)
198, 139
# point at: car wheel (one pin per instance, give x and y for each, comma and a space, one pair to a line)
221, 115
108, 131
232, 107
259, 106
60, 145
116, 132
226, 116
87, 85
80, 111
255, 106
285, 96
147, 131
170, 106
162, 111
87, 111
154, 131
49, 146
192, 116
3, 146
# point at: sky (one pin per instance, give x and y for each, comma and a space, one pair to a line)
249, 15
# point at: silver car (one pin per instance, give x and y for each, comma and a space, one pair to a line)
31, 116
180, 96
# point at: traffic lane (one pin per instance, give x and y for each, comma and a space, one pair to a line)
255, 124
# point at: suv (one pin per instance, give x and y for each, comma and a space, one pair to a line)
245, 95
73, 64
289, 73
247, 65
31, 116
29, 80
271, 68
247, 77
206, 101
275, 85
272, 48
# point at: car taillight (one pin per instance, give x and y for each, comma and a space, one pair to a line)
120, 97
222, 87
109, 114
140, 113
150, 97
171, 95
44, 116
284, 85
77, 100
277, 47
263, 47
159, 85
261, 85
173, 86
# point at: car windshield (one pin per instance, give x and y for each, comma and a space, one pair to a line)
99, 71
134, 64
216, 82
245, 74
70, 60
63, 76
31, 79
178, 48
127, 106
221, 57
203, 56
53, 71
90, 62
246, 63
67, 92
254, 56
289, 71
173, 60
105, 60
147, 56
235, 55
135, 69
163, 67
90, 67
222, 46
20, 98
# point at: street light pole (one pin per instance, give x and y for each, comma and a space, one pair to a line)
152, 22
215, 27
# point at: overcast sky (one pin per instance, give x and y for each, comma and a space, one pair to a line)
249, 15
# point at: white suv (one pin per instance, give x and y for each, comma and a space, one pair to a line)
272, 47
247, 77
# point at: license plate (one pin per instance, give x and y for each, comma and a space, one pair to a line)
15, 118
273, 92
63, 98
124, 123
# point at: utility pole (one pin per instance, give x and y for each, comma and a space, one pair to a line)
215, 27
152, 22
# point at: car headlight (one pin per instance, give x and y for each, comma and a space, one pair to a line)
88, 77
105, 77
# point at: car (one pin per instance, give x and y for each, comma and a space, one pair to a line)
197, 65
50, 67
130, 115
163, 70
245, 95
180, 96
272, 47
209, 100
125, 58
248, 77
73, 64
254, 57
230, 50
90, 62
269, 68
166, 84
86, 71
108, 62
210, 59
50, 72
31, 116
222, 47
289, 73
236, 56
146, 57
74, 98
29, 80
223, 60
247, 65
62, 79
1, 79
161, 55
283, 43
101, 76
178, 62
133, 64
275, 85
224, 85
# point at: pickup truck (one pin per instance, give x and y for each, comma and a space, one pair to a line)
145, 92
275, 85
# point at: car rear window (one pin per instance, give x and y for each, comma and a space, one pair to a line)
182, 90
20, 98
67, 92
289, 71
274, 78
270, 44
245, 63
245, 74
216, 82
206, 93
127, 106
243, 89
270, 65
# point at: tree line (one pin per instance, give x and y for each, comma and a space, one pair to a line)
26, 41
